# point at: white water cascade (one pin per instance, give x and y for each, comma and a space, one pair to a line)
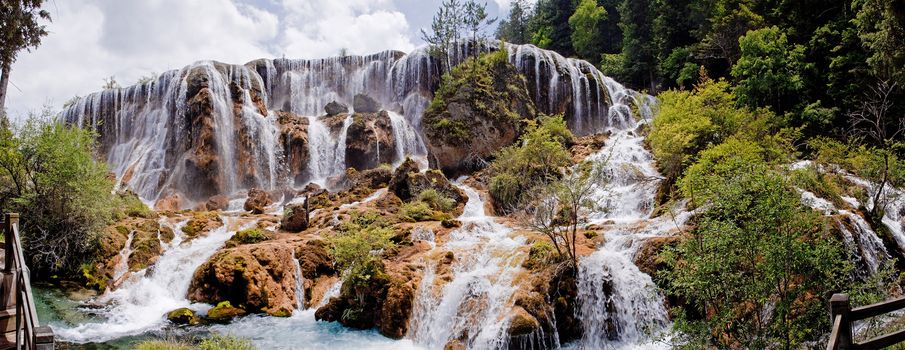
143, 299
123, 265
473, 307
299, 284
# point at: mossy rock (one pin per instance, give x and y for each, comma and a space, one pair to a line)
183, 316
224, 312
250, 236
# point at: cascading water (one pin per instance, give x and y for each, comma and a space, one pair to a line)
123, 266
473, 307
141, 301
299, 284
150, 132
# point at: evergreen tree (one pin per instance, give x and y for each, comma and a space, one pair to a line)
550, 26
19, 30
638, 47
586, 25
514, 29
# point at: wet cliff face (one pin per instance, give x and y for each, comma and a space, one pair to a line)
219, 129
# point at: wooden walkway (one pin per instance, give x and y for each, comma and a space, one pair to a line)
19, 327
842, 315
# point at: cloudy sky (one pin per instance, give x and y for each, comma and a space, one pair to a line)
93, 39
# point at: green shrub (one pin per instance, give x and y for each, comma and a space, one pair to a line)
48, 173
163, 345
358, 246
416, 211
250, 236
541, 254
536, 159
436, 200
225, 342
132, 206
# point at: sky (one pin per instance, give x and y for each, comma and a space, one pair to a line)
91, 40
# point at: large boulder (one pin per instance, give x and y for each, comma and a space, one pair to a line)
370, 141
334, 108
475, 113
385, 303
145, 246
408, 182
362, 103
256, 277
257, 201
218, 202
295, 217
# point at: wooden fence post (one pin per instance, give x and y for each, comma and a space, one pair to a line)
840, 305
10, 219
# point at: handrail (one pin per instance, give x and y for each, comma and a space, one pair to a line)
29, 334
842, 315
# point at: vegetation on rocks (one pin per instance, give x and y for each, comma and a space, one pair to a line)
250, 236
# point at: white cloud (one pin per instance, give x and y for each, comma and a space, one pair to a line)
93, 39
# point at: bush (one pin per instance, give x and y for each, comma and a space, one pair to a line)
48, 173
250, 236
536, 159
225, 342
163, 345
358, 246
436, 200
541, 254
416, 211
132, 206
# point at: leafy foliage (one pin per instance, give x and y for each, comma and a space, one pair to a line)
769, 69
533, 161
50, 176
585, 23
358, 246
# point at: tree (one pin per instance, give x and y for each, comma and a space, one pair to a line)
475, 22
550, 26
769, 70
110, 83
881, 27
49, 174
445, 31
586, 23
758, 265
876, 122
638, 46
514, 29
19, 30
560, 207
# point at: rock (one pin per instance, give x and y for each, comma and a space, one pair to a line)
295, 217
370, 141
201, 222
455, 345
315, 259
397, 308
469, 123
218, 202
294, 137
170, 202
408, 183
648, 257
183, 316
522, 323
365, 104
371, 178
257, 201
259, 277
451, 223
334, 108
224, 312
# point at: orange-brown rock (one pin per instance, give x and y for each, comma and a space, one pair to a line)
370, 141
218, 202
408, 183
294, 137
257, 201
648, 257
255, 277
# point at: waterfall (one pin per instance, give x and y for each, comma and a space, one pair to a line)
139, 304
299, 284
474, 305
123, 265
154, 139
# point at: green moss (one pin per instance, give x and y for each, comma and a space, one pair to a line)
92, 279
224, 311
250, 236
436, 200
163, 345
416, 211
541, 254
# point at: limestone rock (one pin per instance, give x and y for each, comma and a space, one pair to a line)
396, 311
522, 323
408, 183
224, 312
218, 202
183, 316
370, 141
259, 277
334, 108
200, 223
295, 217
365, 104
294, 137
257, 201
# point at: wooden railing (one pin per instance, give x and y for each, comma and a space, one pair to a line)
29, 333
842, 316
